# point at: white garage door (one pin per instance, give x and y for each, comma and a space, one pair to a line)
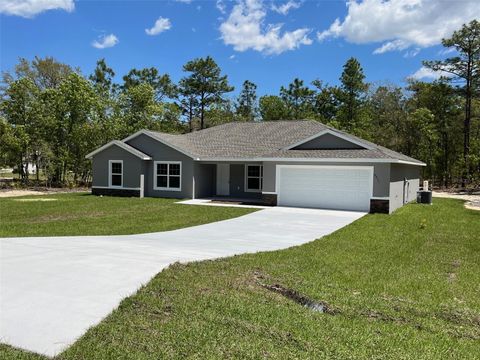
329, 187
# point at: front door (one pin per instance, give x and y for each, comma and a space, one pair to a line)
223, 179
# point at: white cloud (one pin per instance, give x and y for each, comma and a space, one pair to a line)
245, 29
184, 1
285, 8
426, 73
30, 8
412, 53
231, 57
447, 51
401, 23
105, 41
161, 25
391, 46
221, 6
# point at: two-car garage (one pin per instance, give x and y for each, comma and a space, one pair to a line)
329, 187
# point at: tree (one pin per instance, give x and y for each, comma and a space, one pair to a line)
272, 107
351, 96
139, 108
220, 113
247, 106
325, 103
107, 121
466, 68
22, 110
205, 83
388, 112
161, 84
46, 73
441, 99
420, 137
7, 143
188, 103
298, 99
102, 77
73, 105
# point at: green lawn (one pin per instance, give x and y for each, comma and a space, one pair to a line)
404, 286
85, 214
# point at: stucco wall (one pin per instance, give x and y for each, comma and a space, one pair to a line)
161, 152
237, 182
328, 141
400, 191
381, 175
132, 167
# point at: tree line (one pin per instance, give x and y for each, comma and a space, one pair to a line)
52, 116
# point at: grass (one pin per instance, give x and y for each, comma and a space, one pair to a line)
85, 214
405, 286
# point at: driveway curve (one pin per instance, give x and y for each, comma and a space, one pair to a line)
52, 289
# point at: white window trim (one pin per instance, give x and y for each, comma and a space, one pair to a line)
246, 189
110, 162
155, 187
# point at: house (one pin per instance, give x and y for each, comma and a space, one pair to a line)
288, 163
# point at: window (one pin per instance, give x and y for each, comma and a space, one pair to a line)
116, 173
167, 175
253, 178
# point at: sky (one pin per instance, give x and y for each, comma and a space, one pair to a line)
267, 42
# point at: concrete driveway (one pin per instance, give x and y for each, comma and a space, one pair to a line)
52, 289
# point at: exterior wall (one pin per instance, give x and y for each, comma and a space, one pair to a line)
328, 141
401, 191
381, 175
237, 183
160, 152
132, 167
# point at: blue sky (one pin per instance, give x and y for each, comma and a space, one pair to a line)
268, 42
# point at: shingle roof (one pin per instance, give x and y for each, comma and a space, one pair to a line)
268, 140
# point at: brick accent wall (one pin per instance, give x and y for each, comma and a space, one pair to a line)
115, 192
379, 206
269, 199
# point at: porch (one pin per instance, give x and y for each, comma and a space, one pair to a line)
228, 202
237, 183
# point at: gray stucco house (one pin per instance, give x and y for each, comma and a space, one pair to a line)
287, 163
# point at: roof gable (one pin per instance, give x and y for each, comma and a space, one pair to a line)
164, 138
121, 145
328, 139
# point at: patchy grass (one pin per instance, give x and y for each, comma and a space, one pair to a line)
388, 278
85, 214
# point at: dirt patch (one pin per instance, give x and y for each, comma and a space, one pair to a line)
317, 306
38, 199
63, 217
4, 193
376, 315
472, 200
14, 193
452, 275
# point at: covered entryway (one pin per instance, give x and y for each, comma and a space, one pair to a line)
328, 187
